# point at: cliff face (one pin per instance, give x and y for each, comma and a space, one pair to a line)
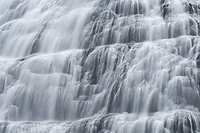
121, 66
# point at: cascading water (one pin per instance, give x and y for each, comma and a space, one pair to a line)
106, 66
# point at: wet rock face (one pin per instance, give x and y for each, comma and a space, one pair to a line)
128, 21
99, 66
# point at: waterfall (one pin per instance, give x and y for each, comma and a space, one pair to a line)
99, 66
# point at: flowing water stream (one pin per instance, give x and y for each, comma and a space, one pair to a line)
99, 66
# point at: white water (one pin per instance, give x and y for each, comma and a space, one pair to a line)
99, 66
